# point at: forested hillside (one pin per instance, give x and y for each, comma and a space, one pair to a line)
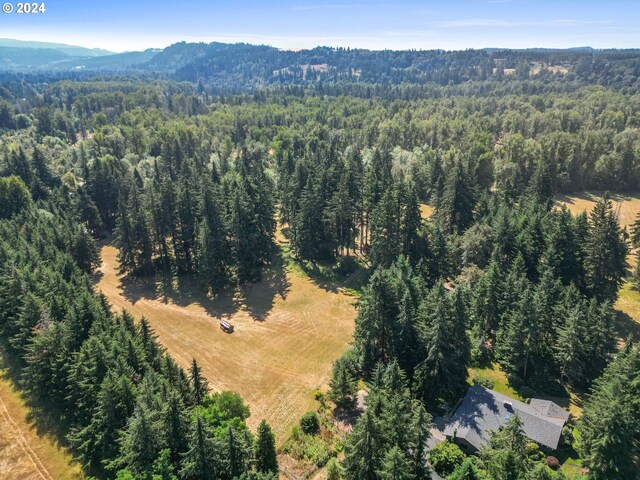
192, 179
242, 67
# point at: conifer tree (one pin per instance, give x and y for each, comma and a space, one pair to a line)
243, 236
375, 320
174, 427
606, 252
266, 459
363, 455
635, 232
236, 453
611, 419
96, 443
85, 251
456, 206
467, 470
410, 221
541, 185
199, 383
395, 466
635, 277
440, 374
569, 347
343, 384
162, 468
505, 456
201, 461
20, 330
486, 303
385, 231
138, 444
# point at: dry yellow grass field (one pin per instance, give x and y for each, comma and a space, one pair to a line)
626, 206
25, 454
288, 332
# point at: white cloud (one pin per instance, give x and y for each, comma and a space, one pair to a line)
498, 23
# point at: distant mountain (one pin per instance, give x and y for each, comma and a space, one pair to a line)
244, 67
116, 61
12, 58
18, 55
71, 50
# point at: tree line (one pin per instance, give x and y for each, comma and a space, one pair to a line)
121, 403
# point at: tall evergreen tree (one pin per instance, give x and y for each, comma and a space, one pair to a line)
201, 461
440, 375
395, 466
199, 384
363, 455
385, 231
456, 206
610, 423
606, 252
266, 459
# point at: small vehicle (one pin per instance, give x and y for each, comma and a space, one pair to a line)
226, 326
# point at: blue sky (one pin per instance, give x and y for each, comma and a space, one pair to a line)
377, 24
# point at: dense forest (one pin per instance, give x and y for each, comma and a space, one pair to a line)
191, 177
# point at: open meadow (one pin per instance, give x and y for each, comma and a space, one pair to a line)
627, 207
288, 331
26, 454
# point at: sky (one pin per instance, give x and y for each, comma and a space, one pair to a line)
127, 25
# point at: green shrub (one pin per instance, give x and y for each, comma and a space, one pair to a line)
483, 381
309, 423
445, 457
526, 392
333, 470
308, 447
346, 266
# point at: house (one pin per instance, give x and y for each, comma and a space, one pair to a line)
482, 412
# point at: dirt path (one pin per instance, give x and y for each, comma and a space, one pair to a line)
288, 331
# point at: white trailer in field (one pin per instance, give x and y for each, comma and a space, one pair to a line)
226, 326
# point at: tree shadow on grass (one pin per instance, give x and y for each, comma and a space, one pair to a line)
256, 299
593, 196
46, 419
329, 277
625, 327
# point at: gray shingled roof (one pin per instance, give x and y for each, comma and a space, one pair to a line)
549, 408
483, 411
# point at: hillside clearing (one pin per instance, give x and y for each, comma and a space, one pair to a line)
288, 332
24, 454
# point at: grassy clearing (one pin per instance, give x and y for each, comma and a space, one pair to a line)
497, 376
628, 306
26, 454
626, 206
289, 328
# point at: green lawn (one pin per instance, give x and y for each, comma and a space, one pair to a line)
496, 375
